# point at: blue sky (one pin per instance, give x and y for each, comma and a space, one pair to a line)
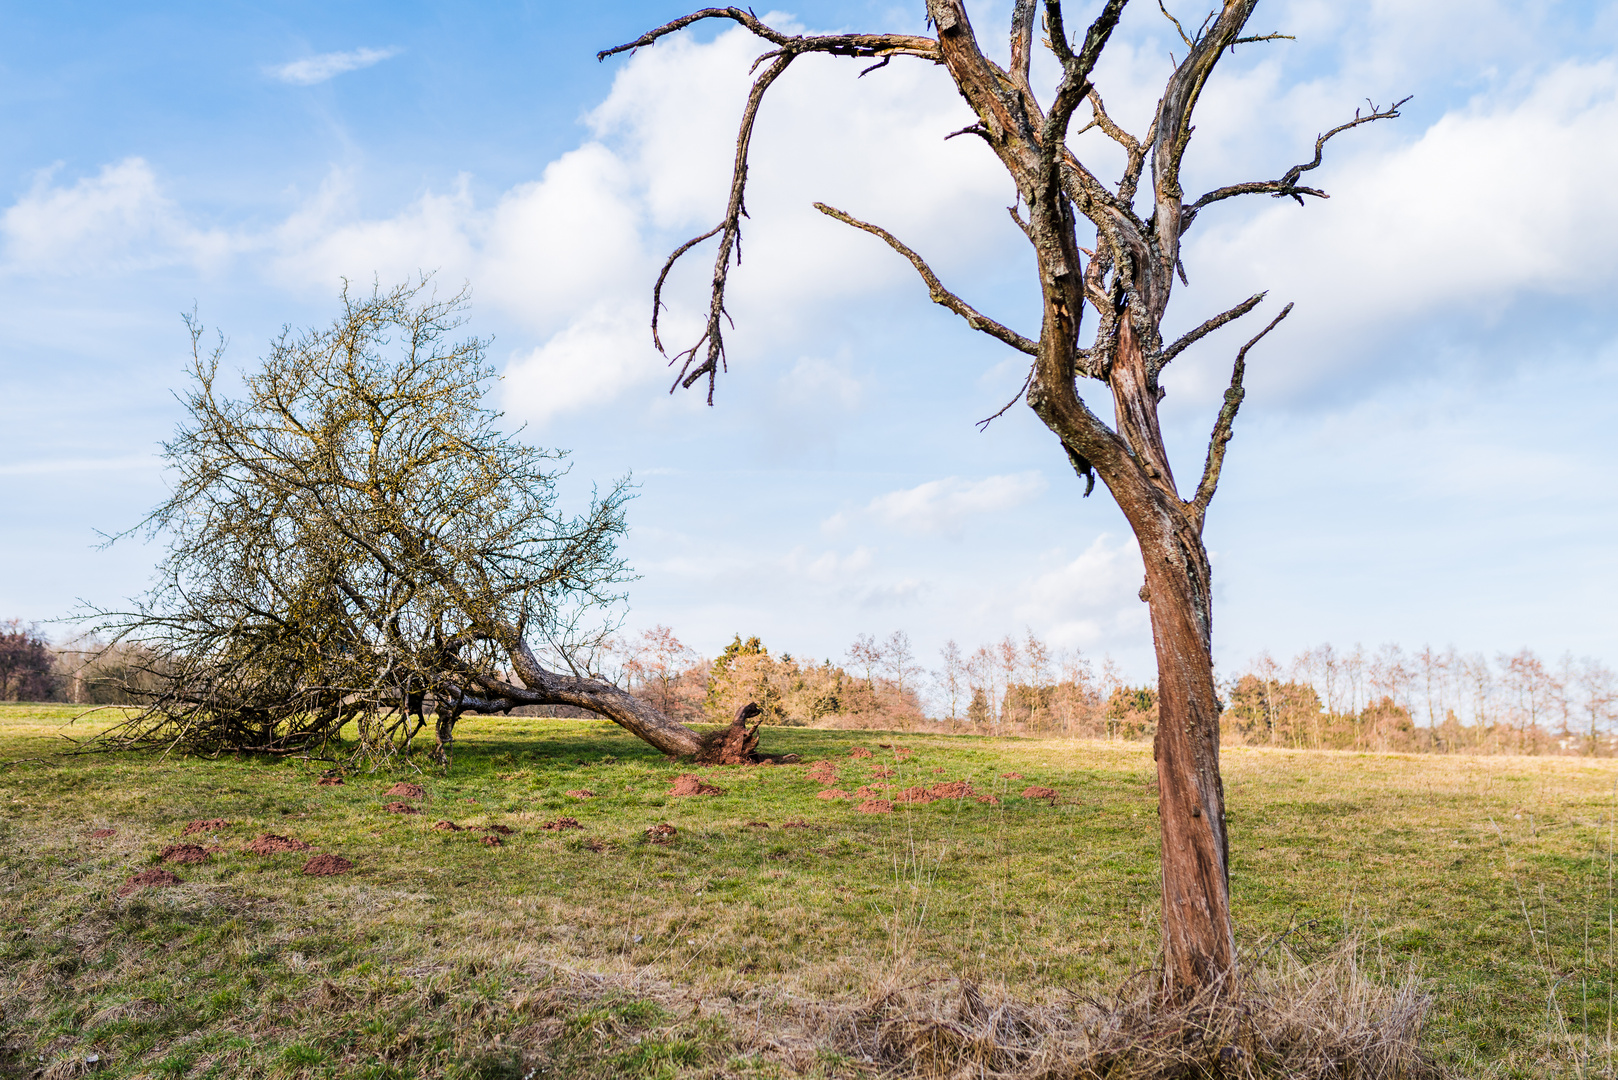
1426, 453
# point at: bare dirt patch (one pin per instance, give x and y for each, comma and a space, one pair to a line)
796, 823
1011, 776
992, 800
661, 834
597, 846
327, 866
400, 808
881, 772
405, 791
832, 793
691, 784
900, 752
271, 844
954, 789
757, 825
490, 840
823, 772
446, 826
1034, 791
858, 752
503, 830
103, 834
212, 824
875, 806
155, 878
915, 795
329, 781
582, 794
562, 824
184, 853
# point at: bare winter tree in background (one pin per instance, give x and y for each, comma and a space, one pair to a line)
1126, 281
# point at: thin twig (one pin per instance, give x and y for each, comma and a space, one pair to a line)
1222, 426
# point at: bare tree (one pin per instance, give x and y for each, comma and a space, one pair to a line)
355, 539
1126, 277
951, 678
27, 666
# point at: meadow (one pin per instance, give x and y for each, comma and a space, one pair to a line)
743, 941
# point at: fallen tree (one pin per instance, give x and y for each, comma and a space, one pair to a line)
354, 541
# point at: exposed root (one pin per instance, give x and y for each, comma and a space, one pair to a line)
738, 744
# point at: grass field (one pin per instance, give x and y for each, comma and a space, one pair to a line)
596, 952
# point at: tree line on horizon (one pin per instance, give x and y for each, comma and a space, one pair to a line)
1387, 699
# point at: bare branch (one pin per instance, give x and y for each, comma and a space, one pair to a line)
1222, 426
657, 290
986, 421
1160, 361
713, 332
1262, 37
1288, 185
1183, 36
940, 295
859, 45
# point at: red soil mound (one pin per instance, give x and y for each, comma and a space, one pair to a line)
327, 865
328, 781
1036, 792
757, 825
881, 772
691, 784
102, 834
954, 789
149, 879
184, 853
204, 825
875, 806
405, 791
562, 823
446, 826
400, 808
915, 795
832, 793
858, 752
990, 799
900, 752
795, 824
582, 794
271, 844
1011, 776
823, 772
503, 830
490, 840
661, 834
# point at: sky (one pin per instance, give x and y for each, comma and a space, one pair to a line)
1425, 455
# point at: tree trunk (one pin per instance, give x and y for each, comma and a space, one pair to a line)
1198, 946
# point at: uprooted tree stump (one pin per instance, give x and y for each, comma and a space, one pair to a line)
738, 743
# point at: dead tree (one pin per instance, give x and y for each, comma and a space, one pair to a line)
1127, 281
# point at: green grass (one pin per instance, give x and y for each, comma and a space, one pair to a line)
439, 956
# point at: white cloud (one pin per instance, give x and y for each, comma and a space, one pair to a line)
117, 220
948, 505
1493, 204
317, 69
599, 355
1090, 600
